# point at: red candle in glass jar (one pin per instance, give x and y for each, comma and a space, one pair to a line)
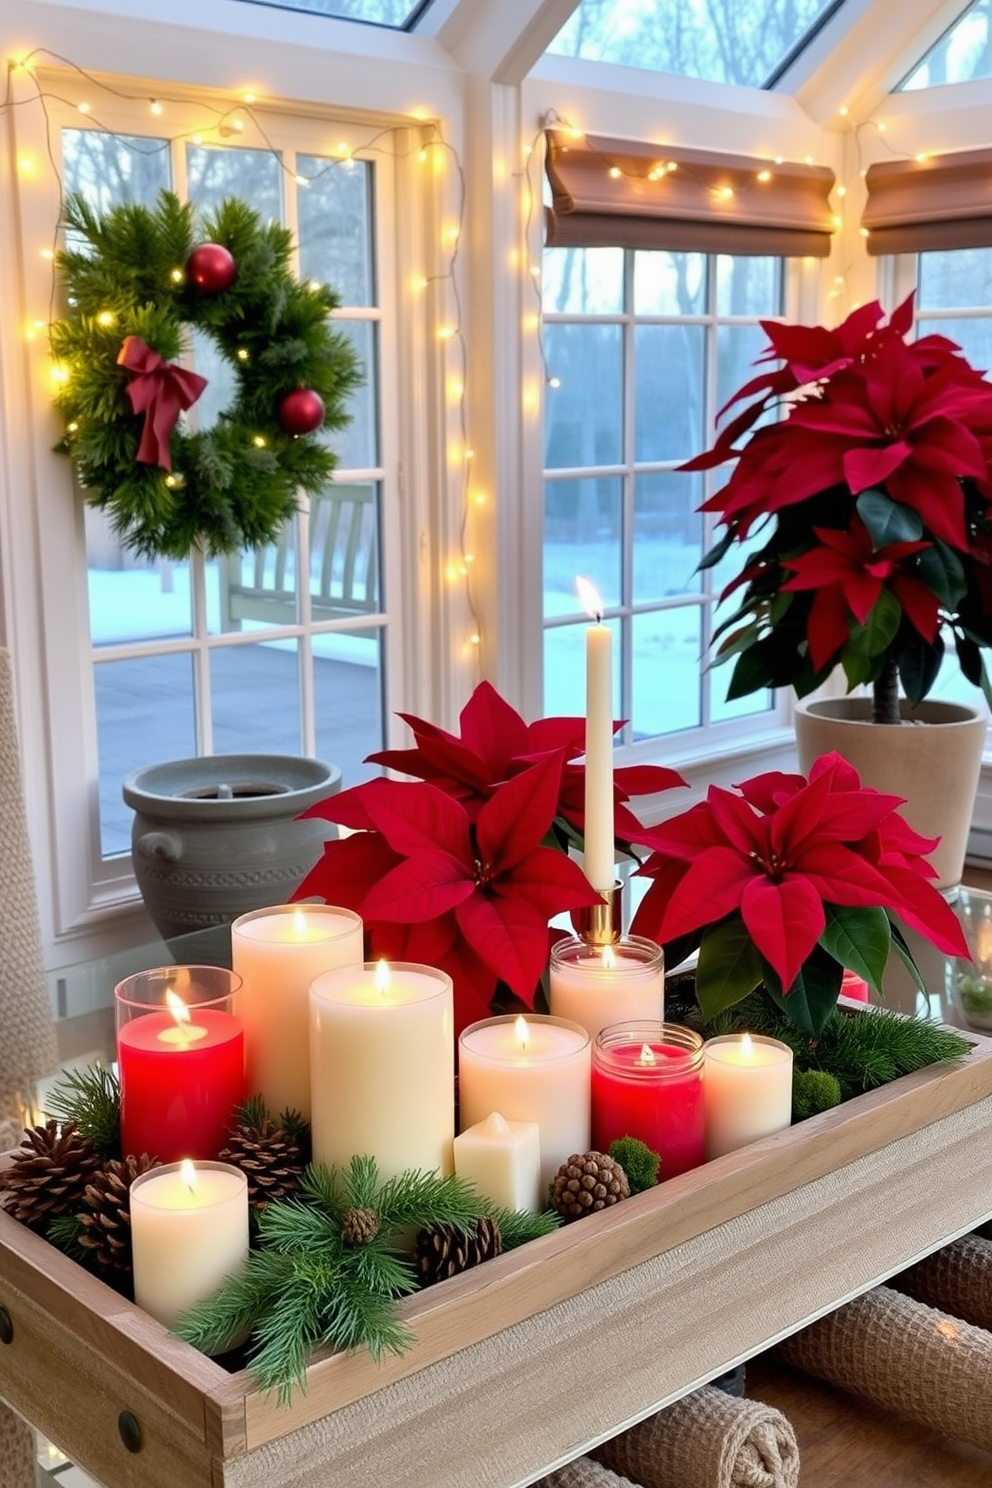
855, 987
181, 1061
647, 1082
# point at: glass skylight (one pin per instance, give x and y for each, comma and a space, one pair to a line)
963, 53
401, 15
727, 41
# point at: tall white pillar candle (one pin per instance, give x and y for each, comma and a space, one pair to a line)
747, 1090
382, 1066
189, 1233
601, 985
529, 1069
503, 1160
278, 952
599, 852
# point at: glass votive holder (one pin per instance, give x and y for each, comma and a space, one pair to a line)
748, 1090
599, 986
189, 1233
647, 1082
180, 1055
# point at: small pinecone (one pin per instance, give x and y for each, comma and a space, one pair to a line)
588, 1181
359, 1226
105, 1221
49, 1173
270, 1157
441, 1251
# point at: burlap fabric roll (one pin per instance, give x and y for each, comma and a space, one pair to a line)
956, 1279
912, 1359
18, 1451
582, 1473
707, 1440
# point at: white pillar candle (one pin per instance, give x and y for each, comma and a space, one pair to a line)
600, 986
529, 1069
599, 851
747, 1089
277, 952
503, 1160
189, 1233
382, 1067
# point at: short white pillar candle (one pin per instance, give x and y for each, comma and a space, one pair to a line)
189, 1233
747, 1090
503, 1160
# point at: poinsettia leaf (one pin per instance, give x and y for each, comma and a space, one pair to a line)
567, 734
813, 995
901, 947
887, 521
719, 550
347, 869
924, 909
450, 760
859, 939
711, 888
667, 874
510, 936
881, 628
784, 918
646, 780
550, 881
419, 817
492, 729
418, 889
942, 571
349, 808
729, 967
919, 663
969, 659
518, 814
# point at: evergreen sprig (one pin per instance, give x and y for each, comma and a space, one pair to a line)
235, 483
91, 1098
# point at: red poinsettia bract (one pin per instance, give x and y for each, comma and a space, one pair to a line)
779, 851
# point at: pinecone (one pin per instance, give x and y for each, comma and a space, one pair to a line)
442, 1251
105, 1221
49, 1173
359, 1226
270, 1155
588, 1181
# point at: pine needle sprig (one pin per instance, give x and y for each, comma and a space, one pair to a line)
517, 1227
91, 1098
293, 1225
63, 1232
421, 1198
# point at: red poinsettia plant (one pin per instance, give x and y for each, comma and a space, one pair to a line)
464, 866
784, 882
869, 500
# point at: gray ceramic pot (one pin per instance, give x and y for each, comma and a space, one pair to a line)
217, 836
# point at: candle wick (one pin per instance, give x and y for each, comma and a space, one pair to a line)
599, 617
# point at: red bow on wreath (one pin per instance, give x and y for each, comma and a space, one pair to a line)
161, 391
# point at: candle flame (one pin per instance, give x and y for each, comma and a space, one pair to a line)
520, 1029
299, 924
747, 1048
382, 978
176, 1007
590, 597
187, 1173
608, 958
646, 1057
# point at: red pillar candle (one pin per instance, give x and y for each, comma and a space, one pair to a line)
647, 1082
180, 1054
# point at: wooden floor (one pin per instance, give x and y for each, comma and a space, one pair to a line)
847, 1443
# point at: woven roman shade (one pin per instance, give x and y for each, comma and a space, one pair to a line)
625, 194
915, 206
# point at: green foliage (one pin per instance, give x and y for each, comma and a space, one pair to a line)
235, 484
814, 1090
63, 1232
91, 1098
638, 1161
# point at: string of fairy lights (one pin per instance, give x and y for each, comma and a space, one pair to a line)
241, 121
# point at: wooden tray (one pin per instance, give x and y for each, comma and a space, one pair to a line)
722, 1260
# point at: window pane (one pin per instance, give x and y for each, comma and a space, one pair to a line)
582, 281
221, 389
132, 598
963, 53
668, 391
348, 676
583, 522
666, 646
255, 588
565, 670
213, 173
954, 278
669, 283
241, 677
973, 336
334, 220
144, 714
747, 286
667, 536
394, 13
357, 444
736, 348
113, 168
344, 557
583, 412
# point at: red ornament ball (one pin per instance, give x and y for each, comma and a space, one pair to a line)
301, 411
211, 267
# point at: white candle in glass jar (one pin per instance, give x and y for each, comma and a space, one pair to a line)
503, 1160
600, 986
747, 1090
189, 1233
277, 952
382, 1066
529, 1069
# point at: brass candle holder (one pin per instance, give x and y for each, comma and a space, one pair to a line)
601, 924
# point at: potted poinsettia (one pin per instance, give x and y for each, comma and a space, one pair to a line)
463, 866
864, 512
784, 882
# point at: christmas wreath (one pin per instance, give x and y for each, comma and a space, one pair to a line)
140, 284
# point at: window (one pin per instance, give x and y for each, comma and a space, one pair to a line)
642, 349
398, 14
963, 53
